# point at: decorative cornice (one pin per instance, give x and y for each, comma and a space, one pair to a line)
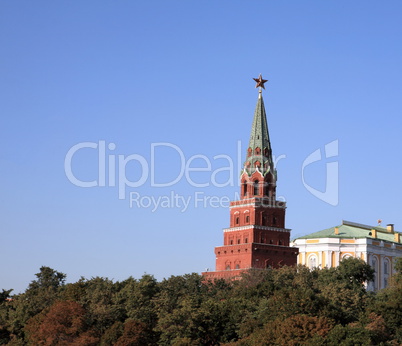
264, 228
258, 202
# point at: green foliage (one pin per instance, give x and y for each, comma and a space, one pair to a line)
355, 271
398, 265
285, 306
295, 330
99, 301
4, 295
112, 334
40, 294
47, 278
348, 336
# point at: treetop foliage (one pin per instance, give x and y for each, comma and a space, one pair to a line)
285, 306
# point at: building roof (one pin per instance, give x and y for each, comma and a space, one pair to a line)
354, 230
259, 138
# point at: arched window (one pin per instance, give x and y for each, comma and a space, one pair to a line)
312, 262
247, 218
231, 242
237, 220
256, 187
274, 220
237, 266
244, 188
246, 240
228, 267
238, 241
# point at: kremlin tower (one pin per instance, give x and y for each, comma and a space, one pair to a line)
257, 237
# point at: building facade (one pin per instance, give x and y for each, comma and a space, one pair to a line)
376, 245
257, 237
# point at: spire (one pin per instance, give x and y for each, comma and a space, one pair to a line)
259, 153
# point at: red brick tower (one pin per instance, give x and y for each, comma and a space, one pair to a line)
257, 237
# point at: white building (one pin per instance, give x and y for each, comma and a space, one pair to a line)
378, 246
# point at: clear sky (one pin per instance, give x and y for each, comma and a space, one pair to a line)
131, 74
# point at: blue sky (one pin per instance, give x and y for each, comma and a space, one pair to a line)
145, 72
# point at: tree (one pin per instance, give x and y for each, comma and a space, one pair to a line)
136, 296
341, 290
135, 333
348, 336
47, 278
355, 271
4, 332
99, 301
63, 324
40, 294
295, 330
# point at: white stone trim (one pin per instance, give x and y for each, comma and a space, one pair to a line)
264, 228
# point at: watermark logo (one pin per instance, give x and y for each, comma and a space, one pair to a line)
117, 171
331, 193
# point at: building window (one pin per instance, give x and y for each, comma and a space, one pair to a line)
246, 240
256, 186
387, 271
231, 242
228, 267
237, 266
312, 263
238, 241
244, 188
247, 219
374, 264
237, 220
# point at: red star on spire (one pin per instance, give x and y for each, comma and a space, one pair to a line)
260, 82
